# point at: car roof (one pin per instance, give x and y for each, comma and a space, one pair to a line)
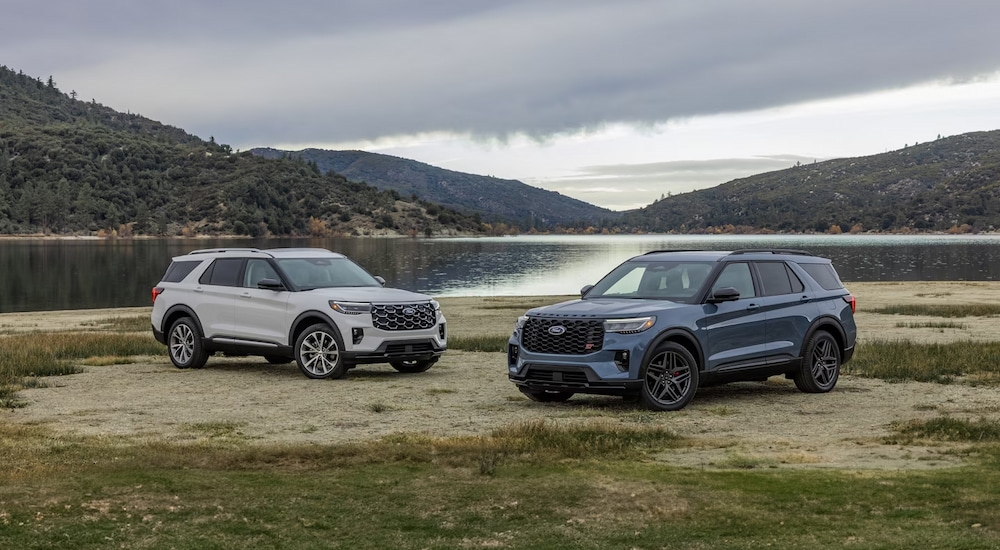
258, 253
730, 255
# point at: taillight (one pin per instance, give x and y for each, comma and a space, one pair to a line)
850, 300
156, 292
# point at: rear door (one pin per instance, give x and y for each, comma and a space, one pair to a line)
787, 308
216, 295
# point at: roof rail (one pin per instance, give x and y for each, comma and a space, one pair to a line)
295, 249
771, 251
218, 250
675, 250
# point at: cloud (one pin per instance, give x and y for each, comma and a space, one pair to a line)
628, 186
257, 73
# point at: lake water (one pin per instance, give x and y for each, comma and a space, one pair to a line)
78, 274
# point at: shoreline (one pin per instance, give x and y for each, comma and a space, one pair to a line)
394, 235
472, 316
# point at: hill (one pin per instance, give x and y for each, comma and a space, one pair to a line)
950, 184
75, 167
498, 199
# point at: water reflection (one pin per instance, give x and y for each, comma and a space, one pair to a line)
72, 274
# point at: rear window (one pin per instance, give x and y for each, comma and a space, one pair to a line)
178, 270
777, 278
824, 274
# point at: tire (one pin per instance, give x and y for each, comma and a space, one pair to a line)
410, 367
669, 378
277, 359
547, 396
184, 345
820, 367
318, 352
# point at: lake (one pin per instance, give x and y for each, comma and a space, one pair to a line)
48, 274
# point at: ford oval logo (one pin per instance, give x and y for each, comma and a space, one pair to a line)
556, 330
409, 311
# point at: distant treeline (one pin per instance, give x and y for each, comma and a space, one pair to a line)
73, 166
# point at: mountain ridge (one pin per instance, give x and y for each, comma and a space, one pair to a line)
949, 184
79, 168
495, 199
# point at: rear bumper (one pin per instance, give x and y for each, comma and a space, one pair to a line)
158, 334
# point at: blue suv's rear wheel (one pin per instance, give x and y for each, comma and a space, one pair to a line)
820, 364
669, 378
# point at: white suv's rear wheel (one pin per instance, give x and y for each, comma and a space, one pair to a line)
184, 345
318, 352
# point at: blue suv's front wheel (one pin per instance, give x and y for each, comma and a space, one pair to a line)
669, 378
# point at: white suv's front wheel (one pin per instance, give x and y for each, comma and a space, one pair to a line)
318, 352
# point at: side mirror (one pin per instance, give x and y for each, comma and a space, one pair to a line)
270, 284
724, 294
585, 290
380, 280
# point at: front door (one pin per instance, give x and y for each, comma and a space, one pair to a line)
735, 329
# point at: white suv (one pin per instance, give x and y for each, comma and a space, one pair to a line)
311, 305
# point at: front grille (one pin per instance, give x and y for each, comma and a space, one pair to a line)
579, 337
403, 316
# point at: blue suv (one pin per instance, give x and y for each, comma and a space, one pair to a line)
662, 324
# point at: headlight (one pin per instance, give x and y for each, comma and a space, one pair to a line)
519, 324
629, 326
435, 305
351, 308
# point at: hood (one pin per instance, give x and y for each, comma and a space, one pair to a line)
605, 308
373, 294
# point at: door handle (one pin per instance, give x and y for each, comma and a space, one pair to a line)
245, 295
199, 289
752, 307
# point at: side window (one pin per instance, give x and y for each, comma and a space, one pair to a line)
223, 272
823, 274
178, 270
797, 285
736, 275
773, 278
258, 270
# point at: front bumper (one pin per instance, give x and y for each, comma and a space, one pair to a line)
398, 350
611, 371
574, 378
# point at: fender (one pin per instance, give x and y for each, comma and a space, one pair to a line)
180, 308
825, 322
672, 332
305, 314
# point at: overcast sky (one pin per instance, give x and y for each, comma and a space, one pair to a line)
613, 102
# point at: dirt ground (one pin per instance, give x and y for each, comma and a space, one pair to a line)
769, 424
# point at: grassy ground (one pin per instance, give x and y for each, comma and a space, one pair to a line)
526, 486
540, 484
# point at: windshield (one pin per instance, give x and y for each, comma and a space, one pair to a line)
310, 273
647, 280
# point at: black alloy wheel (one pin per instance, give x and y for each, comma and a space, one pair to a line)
669, 378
